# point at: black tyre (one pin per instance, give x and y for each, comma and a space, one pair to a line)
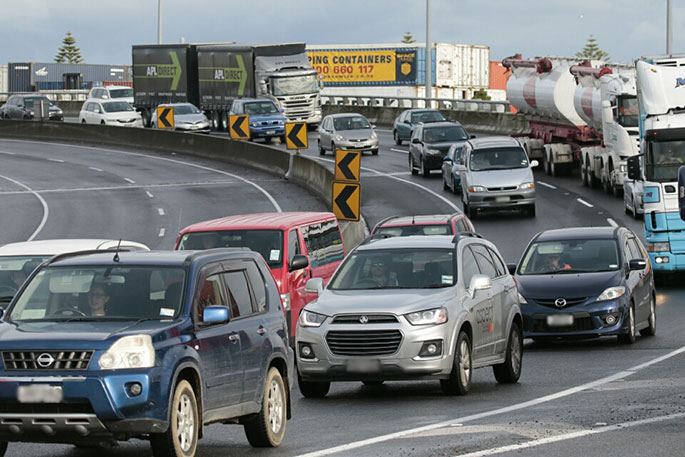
374, 152
396, 137
583, 175
267, 429
606, 186
651, 330
282, 138
509, 371
617, 190
313, 389
470, 213
425, 172
629, 338
322, 151
333, 149
83, 121
445, 186
411, 164
459, 381
180, 439
102, 122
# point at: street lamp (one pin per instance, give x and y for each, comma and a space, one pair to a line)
429, 83
159, 21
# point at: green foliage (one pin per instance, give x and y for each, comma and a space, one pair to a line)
481, 94
592, 51
69, 52
408, 38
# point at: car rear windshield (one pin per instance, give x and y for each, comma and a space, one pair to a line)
101, 293
415, 229
444, 134
396, 269
269, 243
121, 93
115, 107
186, 109
498, 159
570, 256
351, 123
260, 108
427, 116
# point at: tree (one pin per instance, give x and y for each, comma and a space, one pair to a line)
69, 52
592, 51
480, 94
408, 38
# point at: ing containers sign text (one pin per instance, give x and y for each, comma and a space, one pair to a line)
360, 67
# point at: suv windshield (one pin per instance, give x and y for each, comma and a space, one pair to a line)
269, 243
260, 108
498, 159
427, 116
185, 109
396, 269
13, 272
444, 134
570, 256
351, 123
101, 293
115, 107
121, 93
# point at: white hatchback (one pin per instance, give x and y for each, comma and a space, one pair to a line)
119, 93
109, 112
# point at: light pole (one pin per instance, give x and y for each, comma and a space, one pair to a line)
159, 21
429, 83
669, 27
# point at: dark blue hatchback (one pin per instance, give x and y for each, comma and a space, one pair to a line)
100, 347
586, 282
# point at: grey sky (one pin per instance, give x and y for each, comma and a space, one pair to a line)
32, 30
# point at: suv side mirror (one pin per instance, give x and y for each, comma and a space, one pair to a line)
447, 159
215, 314
314, 286
416, 141
512, 268
634, 167
472, 136
637, 264
479, 282
299, 262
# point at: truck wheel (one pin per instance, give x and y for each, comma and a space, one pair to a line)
224, 121
180, 439
147, 118
267, 429
617, 190
606, 186
545, 164
583, 175
509, 371
312, 389
591, 180
459, 381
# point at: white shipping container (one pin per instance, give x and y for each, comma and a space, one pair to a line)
3, 79
462, 66
497, 95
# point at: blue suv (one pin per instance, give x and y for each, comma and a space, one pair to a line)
99, 347
266, 119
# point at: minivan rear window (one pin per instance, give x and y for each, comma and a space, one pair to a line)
269, 243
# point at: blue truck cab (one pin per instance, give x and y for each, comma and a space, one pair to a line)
101, 347
265, 116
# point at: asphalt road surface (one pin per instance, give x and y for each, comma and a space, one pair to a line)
574, 398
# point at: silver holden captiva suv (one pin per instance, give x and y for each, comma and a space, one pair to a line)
417, 307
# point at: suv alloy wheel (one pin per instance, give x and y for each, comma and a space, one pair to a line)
180, 439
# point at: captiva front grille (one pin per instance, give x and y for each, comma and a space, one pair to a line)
46, 360
364, 342
551, 302
364, 319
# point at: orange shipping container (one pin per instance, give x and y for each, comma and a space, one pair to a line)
498, 75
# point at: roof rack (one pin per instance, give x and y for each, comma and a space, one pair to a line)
383, 221
68, 255
460, 235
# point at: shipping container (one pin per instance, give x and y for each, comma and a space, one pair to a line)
32, 76
462, 66
499, 75
4, 87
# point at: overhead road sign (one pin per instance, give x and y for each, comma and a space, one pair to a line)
296, 135
346, 200
239, 126
348, 165
165, 117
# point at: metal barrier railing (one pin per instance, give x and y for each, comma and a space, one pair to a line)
488, 106
55, 95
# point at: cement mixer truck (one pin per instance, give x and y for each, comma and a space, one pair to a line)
576, 116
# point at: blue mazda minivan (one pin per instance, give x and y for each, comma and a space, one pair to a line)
100, 347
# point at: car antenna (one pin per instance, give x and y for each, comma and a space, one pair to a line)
116, 254
412, 219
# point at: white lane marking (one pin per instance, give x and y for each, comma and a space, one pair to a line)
589, 205
495, 412
612, 222
180, 162
160, 211
95, 169
542, 183
162, 231
129, 180
126, 187
56, 160
572, 435
383, 130
8, 153
399, 150
147, 192
380, 173
46, 211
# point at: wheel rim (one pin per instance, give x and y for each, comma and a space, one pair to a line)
275, 407
652, 314
515, 349
631, 322
185, 422
464, 363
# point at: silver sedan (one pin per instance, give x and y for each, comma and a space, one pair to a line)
187, 118
347, 131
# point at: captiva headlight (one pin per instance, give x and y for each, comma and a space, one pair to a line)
428, 316
527, 185
522, 299
134, 351
310, 319
611, 293
476, 189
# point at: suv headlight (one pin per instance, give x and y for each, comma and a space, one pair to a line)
427, 317
476, 189
611, 293
659, 247
310, 319
134, 351
527, 185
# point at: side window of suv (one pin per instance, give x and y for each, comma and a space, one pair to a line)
498, 263
257, 285
469, 266
485, 262
211, 293
239, 295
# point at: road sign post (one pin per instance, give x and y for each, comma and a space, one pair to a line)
165, 117
347, 165
239, 126
346, 198
296, 136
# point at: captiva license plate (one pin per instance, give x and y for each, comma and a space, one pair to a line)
363, 366
561, 320
501, 199
39, 393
